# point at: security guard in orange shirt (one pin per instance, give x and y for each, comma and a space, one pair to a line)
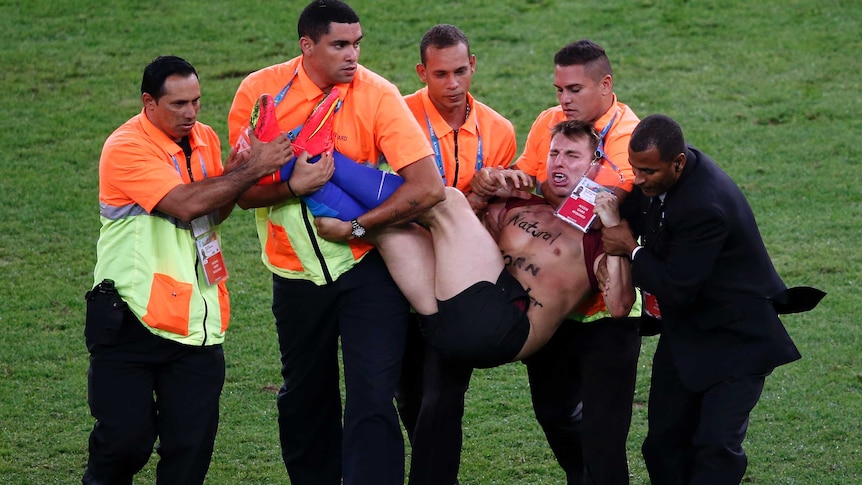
330, 283
157, 318
467, 137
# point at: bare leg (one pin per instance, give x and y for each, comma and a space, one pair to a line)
465, 252
409, 256
456, 254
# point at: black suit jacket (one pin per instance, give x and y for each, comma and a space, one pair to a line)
709, 269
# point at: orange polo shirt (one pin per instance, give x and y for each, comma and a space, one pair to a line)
373, 121
153, 260
140, 164
459, 150
534, 159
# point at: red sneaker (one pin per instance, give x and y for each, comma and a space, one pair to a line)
266, 129
316, 135
263, 119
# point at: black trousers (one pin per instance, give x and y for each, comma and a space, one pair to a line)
582, 384
695, 438
369, 313
431, 403
144, 387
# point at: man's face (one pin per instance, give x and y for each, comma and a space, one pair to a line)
176, 112
448, 73
568, 160
333, 59
581, 97
652, 175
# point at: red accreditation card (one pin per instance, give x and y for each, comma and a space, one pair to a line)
209, 250
578, 209
651, 305
212, 258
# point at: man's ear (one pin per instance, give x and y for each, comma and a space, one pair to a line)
420, 70
147, 99
679, 162
305, 45
607, 84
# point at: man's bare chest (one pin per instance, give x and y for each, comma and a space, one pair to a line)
534, 234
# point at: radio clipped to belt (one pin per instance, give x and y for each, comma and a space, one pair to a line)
105, 313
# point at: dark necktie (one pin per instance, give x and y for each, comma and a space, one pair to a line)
654, 222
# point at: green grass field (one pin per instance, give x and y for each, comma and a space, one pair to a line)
770, 89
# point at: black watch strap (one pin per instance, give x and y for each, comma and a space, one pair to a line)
358, 229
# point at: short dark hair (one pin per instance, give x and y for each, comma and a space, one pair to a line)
658, 131
585, 53
153, 82
574, 130
315, 18
441, 36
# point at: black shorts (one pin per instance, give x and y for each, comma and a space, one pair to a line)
485, 325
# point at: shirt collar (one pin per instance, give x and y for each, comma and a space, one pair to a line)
163, 141
441, 127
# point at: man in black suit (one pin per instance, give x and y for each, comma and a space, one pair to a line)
708, 282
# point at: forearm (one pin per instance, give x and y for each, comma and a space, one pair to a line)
264, 195
407, 203
189, 201
619, 295
225, 210
421, 190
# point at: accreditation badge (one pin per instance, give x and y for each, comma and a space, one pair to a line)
650, 305
209, 249
578, 209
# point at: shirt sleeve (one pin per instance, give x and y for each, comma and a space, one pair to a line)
506, 148
132, 172
397, 133
535, 149
240, 111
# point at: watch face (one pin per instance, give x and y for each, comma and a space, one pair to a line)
358, 230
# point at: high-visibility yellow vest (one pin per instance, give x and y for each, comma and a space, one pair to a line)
155, 268
152, 257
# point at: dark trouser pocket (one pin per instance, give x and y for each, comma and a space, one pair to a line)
105, 314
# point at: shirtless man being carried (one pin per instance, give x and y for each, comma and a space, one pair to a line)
493, 289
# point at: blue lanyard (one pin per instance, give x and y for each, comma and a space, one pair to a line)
179, 170
600, 153
438, 155
601, 148
286, 88
280, 96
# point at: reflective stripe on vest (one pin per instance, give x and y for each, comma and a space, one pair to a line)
153, 261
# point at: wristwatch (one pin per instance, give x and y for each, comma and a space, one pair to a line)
358, 229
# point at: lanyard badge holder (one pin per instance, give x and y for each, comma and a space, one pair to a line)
203, 230
209, 249
578, 209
